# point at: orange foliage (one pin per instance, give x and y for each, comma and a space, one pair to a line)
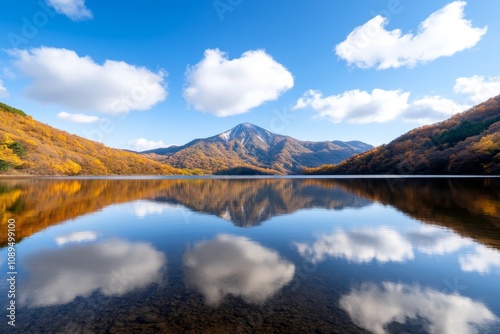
49, 151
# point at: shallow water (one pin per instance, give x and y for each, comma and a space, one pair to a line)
256, 255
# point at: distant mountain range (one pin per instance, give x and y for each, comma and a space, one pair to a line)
249, 149
466, 144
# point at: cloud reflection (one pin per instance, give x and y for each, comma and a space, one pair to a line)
142, 209
483, 260
432, 240
361, 245
113, 267
373, 307
382, 244
76, 237
232, 265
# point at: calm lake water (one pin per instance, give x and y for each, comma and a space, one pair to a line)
253, 255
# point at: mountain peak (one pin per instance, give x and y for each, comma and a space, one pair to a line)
247, 126
244, 131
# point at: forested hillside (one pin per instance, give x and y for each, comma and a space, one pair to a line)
466, 144
28, 147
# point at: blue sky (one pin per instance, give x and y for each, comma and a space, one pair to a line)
153, 73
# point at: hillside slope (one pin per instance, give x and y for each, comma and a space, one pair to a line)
248, 146
466, 144
28, 147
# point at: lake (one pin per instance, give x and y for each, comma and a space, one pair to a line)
253, 255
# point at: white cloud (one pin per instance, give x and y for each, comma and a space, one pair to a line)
442, 34
61, 76
113, 267
357, 106
232, 265
360, 246
77, 118
142, 209
73, 9
431, 109
76, 237
3, 90
226, 87
483, 260
142, 144
478, 88
373, 307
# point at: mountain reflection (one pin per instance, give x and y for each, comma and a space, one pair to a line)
376, 307
471, 207
38, 204
249, 202
232, 265
113, 267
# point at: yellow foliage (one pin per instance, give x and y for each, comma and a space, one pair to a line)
68, 188
9, 198
7, 139
68, 168
31, 142
6, 153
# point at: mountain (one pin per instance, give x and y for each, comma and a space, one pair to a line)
466, 144
28, 147
249, 149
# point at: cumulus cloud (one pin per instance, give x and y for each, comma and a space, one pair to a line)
357, 106
478, 88
76, 237
232, 265
77, 118
3, 90
142, 209
73, 9
359, 246
61, 76
226, 87
442, 34
483, 260
373, 307
113, 267
142, 144
431, 109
